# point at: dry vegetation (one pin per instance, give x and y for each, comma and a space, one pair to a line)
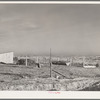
20, 77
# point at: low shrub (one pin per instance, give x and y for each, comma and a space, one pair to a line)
59, 62
77, 64
97, 65
30, 62
21, 62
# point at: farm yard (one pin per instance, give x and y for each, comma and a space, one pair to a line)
49, 74
21, 77
49, 47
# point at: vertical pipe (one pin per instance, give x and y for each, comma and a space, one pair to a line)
50, 63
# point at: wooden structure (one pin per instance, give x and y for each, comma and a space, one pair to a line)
87, 64
7, 57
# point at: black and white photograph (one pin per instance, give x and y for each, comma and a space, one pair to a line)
49, 47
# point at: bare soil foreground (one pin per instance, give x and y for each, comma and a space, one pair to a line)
15, 77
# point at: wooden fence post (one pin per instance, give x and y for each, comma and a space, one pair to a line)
83, 61
37, 60
26, 60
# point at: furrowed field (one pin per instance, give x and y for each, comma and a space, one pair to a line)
20, 77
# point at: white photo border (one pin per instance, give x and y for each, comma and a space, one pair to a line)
48, 94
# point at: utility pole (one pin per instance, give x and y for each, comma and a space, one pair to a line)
50, 64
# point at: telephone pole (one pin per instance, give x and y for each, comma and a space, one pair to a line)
50, 64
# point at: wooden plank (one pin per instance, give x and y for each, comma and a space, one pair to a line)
59, 73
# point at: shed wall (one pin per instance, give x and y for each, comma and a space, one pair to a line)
7, 57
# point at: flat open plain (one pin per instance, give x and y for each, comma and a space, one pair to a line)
20, 77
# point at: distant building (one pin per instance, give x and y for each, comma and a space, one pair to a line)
89, 66
7, 57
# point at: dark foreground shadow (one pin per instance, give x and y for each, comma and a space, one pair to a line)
94, 87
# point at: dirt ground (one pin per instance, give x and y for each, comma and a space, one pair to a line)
14, 77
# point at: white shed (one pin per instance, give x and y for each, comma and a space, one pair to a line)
7, 57
89, 66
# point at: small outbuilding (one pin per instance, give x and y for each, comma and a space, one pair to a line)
89, 65
7, 57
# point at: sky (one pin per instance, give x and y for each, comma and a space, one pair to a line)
32, 29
